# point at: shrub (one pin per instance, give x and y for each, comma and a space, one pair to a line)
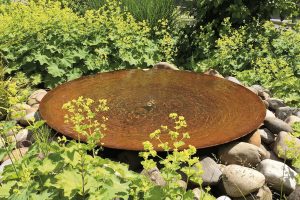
58, 45
260, 54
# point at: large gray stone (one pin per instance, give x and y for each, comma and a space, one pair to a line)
241, 153
264, 193
276, 125
278, 175
281, 145
275, 103
284, 112
239, 181
211, 172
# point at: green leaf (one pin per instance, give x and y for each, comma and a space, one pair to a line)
70, 181
54, 70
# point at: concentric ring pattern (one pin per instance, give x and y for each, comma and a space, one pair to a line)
216, 110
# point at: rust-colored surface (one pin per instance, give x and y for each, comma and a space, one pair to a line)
216, 110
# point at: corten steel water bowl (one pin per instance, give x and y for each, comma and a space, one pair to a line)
216, 110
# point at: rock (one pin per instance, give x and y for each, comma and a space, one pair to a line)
269, 114
278, 175
24, 138
259, 89
276, 125
165, 65
266, 104
211, 172
267, 153
266, 136
23, 134
223, 198
240, 181
274, 103
16, 154
5, 163
36, 97
241, 153
182, 184
233, 79
19, 111
295, 195
254, 138
213, 72
284, 112
31, 116
292, 119
281, 144
221, 167
264, 193
131, 158
155, 176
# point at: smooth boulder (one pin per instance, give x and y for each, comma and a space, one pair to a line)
241, 153
278, 175
276, 125
286, 143
239, 181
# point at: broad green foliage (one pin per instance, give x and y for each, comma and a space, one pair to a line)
175, 161
42, 39
266, 55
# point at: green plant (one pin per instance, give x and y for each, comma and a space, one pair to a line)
260, 53
66, 170
175, 161
57, 45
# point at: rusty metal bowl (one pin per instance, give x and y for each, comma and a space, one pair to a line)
216, 110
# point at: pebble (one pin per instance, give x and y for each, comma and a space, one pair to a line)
239, 181
165, 65
32, 115
276, 125
281, 144
16, 154
155, 176
264, 193
292, 119
5, 163
274, 103
269, 114
223, 198
295, 195
36, 97
213, 72
284, 112
241, 153
211, 172
278, 175
254, 138
233, 79
266, 136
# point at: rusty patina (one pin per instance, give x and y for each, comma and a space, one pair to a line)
216, 110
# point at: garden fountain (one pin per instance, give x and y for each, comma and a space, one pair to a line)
216, 110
